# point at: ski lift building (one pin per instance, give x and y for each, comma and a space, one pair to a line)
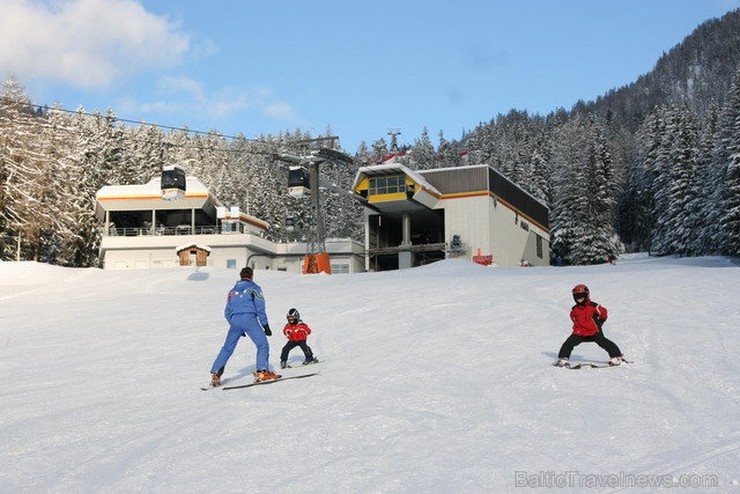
472, 212
142, 230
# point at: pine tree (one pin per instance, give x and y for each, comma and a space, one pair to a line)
599, 241
23, 214
539, 182
637, 203
708, 202
675, 184
583, 231
146, 152
60, 190
568, 202
730, 156
363, 154
219, 174
422, 152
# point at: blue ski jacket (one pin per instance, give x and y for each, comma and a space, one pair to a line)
246, 298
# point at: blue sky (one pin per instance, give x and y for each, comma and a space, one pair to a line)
359, 68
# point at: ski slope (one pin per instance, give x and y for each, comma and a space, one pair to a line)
434, 379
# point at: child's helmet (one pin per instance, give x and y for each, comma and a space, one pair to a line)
580, 291
293, 315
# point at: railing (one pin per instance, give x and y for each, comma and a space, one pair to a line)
413, 248
167, 230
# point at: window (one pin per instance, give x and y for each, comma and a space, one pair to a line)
539, 247
340, 268
387, 185
230, 263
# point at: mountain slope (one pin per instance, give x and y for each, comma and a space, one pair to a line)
434, 379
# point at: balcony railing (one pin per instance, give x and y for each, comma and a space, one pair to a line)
167, 230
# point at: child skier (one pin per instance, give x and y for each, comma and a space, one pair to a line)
587, 317
297, 332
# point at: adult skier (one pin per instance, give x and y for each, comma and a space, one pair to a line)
245, 311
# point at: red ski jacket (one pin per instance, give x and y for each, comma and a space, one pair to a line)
297, 332
587, 318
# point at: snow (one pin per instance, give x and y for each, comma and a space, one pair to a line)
190, 245
435, 379
152, 188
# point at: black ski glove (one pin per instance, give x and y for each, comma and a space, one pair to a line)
267, 329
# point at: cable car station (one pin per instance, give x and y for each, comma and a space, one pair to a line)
147, 226
472, 212
412, 218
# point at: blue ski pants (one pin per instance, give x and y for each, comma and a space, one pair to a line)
240, 324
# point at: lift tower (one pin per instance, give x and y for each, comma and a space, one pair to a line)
317, 259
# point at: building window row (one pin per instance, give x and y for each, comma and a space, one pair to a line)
387, 185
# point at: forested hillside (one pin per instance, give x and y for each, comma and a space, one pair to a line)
53, 161
654, 165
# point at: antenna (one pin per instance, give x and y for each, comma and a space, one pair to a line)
394, 140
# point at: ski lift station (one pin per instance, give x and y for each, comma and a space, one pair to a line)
471, 212
411, 218
174, 220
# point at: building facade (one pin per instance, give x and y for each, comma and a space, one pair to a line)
473, 212
411, 218
141, 230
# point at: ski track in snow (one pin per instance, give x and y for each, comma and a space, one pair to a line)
435, 379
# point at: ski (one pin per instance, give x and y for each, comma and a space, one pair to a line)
208, 387
303, 365
590, 365
586, 365
259, 383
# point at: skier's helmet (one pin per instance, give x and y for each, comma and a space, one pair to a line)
580, 292
293, 316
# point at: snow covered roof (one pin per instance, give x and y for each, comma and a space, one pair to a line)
149, 196
191, 245
148, 190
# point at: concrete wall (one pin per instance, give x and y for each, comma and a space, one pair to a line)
468, 217
487, 224
227, 251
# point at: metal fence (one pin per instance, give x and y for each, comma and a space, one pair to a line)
167, 230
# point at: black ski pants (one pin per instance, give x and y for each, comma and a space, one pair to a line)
599, 338
291, 345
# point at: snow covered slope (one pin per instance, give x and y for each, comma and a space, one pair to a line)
435, 379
